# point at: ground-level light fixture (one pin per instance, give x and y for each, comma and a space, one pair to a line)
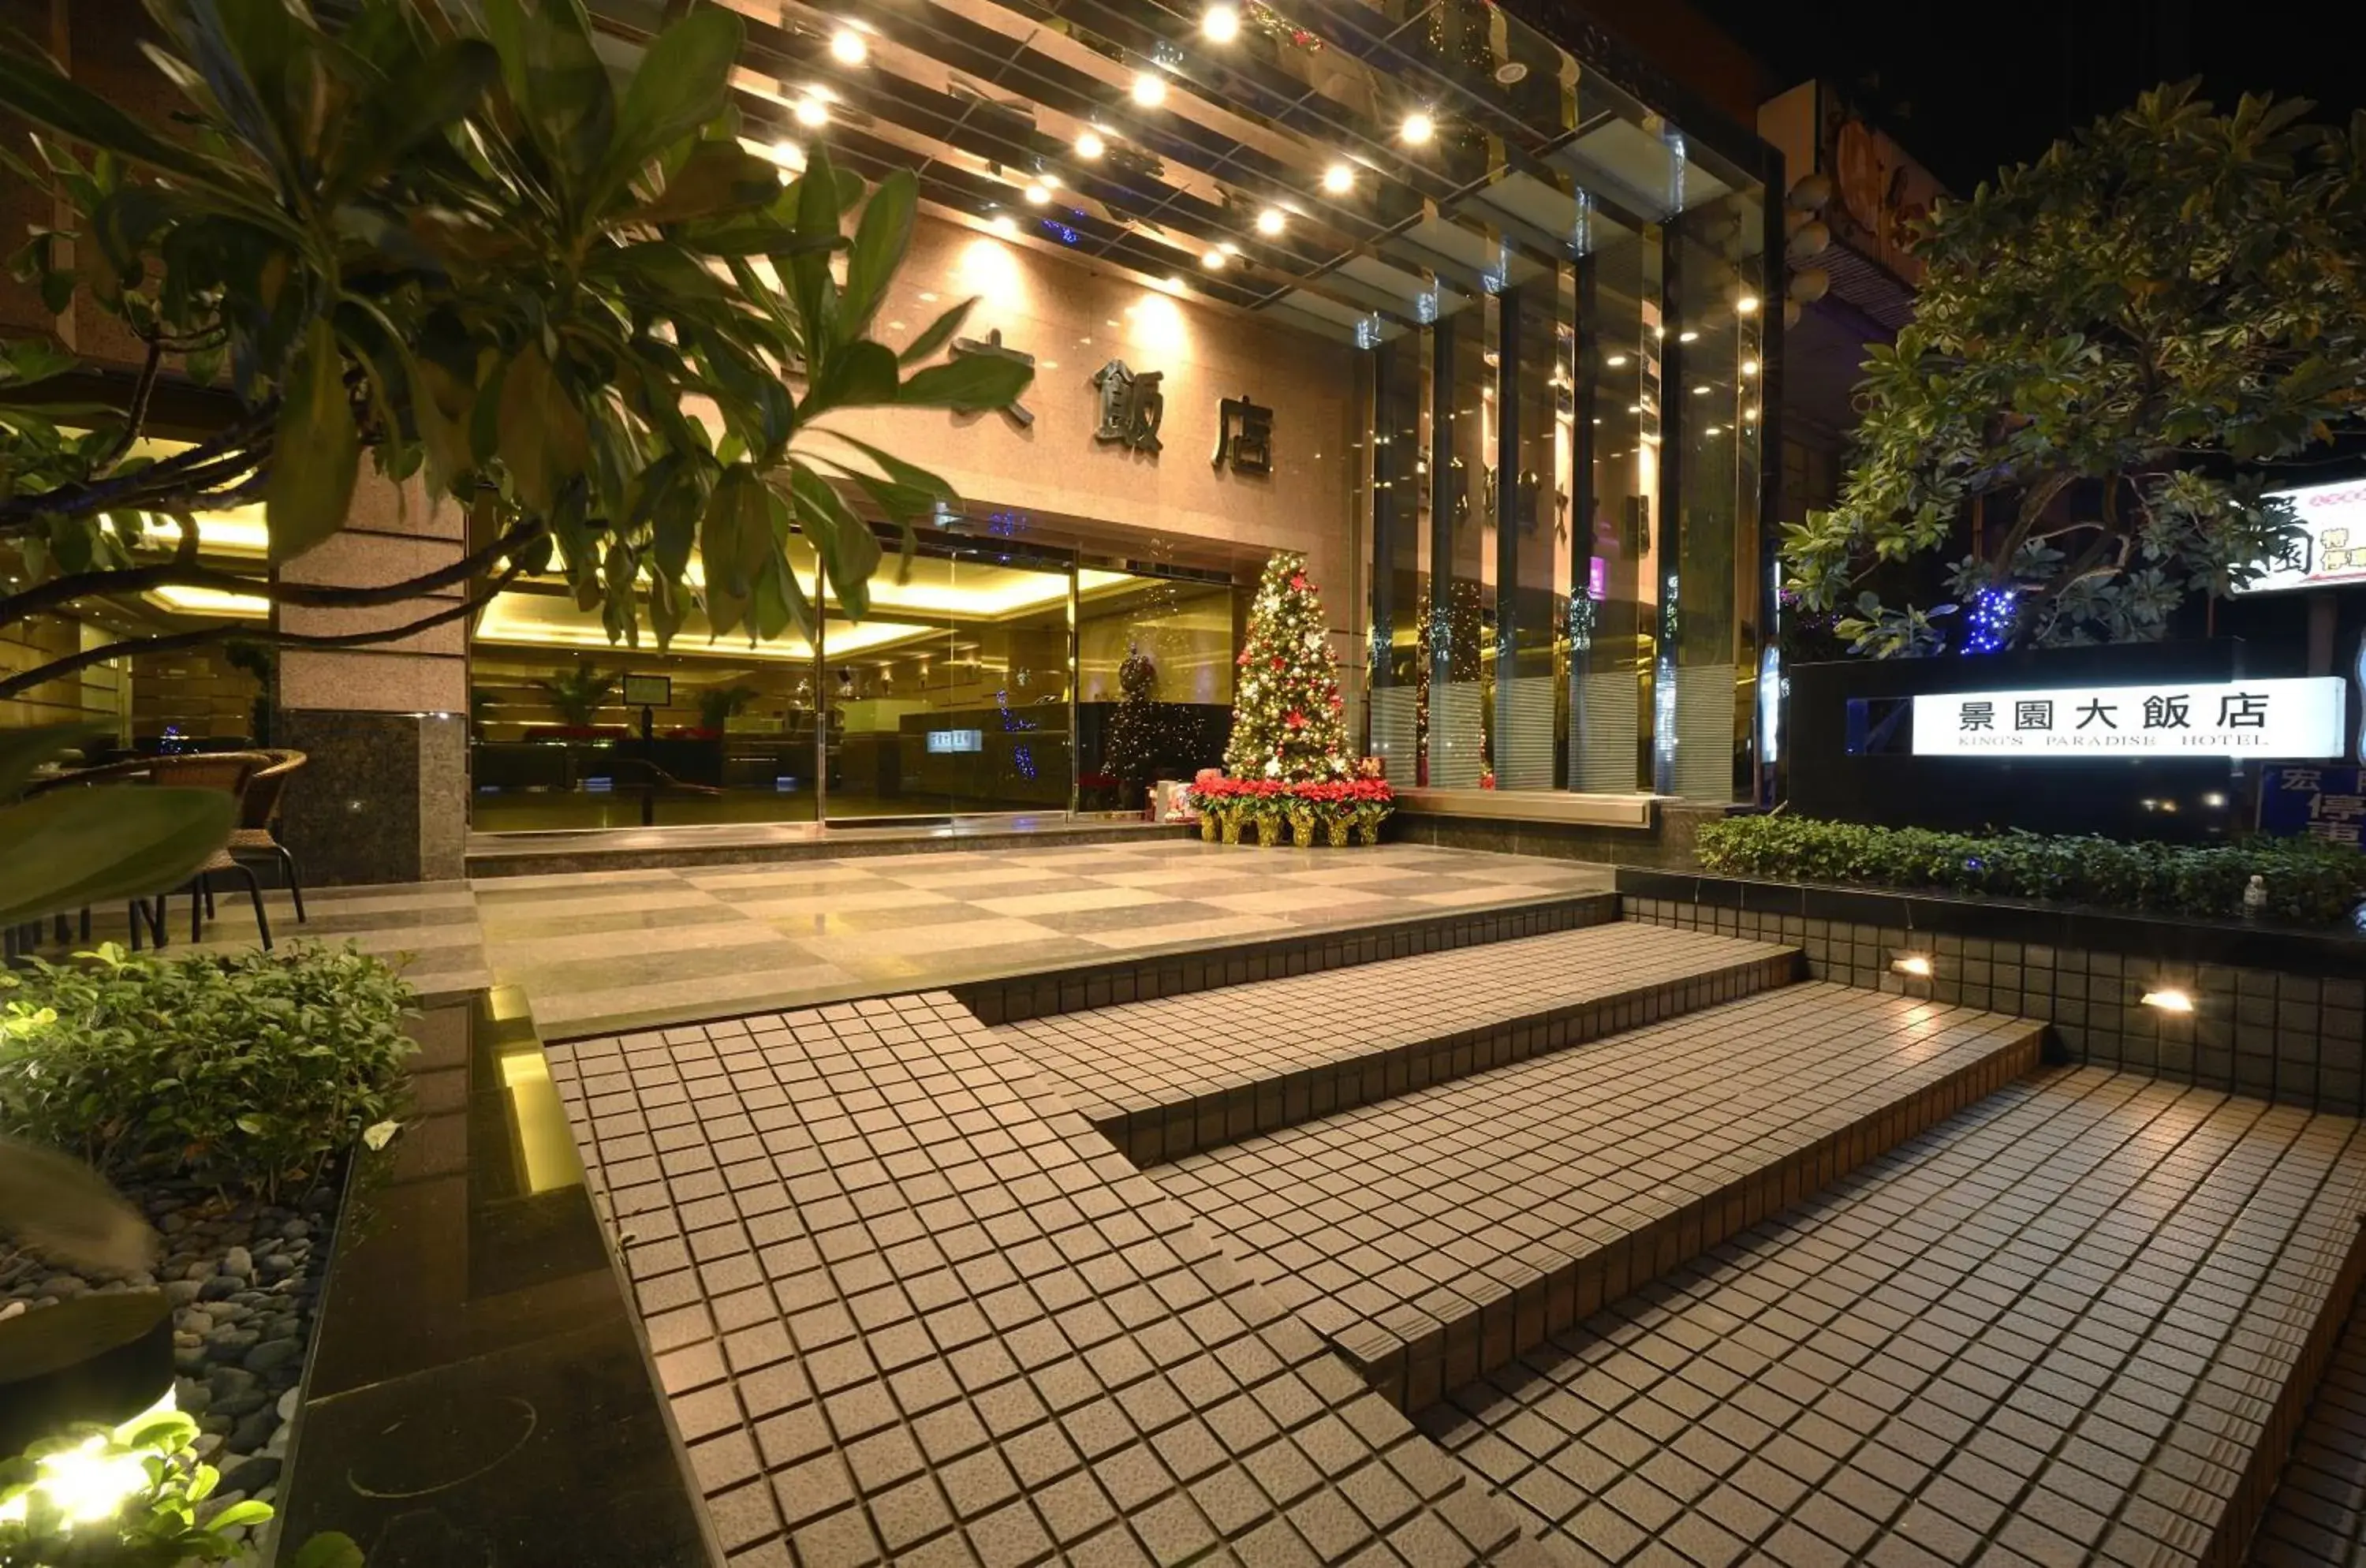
1271, 221
1418, 128
1339, 179
2169, 998
1149, 89
848, 48
1220, 24
1915, 964
1090, 145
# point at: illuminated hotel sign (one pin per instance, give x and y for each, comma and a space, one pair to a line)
2331, 549
2292, 718
942, 742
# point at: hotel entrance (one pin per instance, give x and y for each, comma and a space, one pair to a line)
992, 676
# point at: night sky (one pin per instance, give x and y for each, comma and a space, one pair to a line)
1967, 88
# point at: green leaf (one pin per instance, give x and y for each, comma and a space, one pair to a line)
880, 240
978, 382
680, 86
542, 441
861, 375
35, 90
317, 454
849, 550
245, 1511
74, 847
937, 333
732, 540
719, 177
556, 78
328, 1551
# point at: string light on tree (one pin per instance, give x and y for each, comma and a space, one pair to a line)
1988, 627
1286, 707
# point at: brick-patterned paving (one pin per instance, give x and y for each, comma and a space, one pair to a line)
911, 1308
1163, 1077
2064, 1327
2318, 1518
1437, 1235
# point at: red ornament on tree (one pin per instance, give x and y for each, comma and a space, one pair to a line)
1296, 720
1298, 581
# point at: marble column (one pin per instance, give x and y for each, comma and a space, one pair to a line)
384, 797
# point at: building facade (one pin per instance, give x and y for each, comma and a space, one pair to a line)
1474, 322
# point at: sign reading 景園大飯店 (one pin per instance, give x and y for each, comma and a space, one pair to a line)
2279, 718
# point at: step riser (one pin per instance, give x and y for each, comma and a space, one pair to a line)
2231, 1546
1415, 1375
1209, 1121
1081, 987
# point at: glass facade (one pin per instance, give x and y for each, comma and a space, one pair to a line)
986, 678
1564, 484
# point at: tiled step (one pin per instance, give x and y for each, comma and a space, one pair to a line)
1161, 1078
2317, 1517
1437, 1235
2075, 1324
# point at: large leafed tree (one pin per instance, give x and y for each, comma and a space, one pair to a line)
452, 243
2115, 350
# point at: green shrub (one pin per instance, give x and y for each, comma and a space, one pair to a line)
245, 1073
2308, 882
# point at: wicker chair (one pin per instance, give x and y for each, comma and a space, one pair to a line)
258, 814
230, 771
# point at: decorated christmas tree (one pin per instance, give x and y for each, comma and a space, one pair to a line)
1285, 706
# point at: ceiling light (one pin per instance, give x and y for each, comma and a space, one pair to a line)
2168, 1000
1615, 360
1689, 336
1714, 430
1659, 331
1090, 145
1149, 89
1747, 304
1700, 391
1005, 225
1750, 367
811, 112
1220, 24
1915, 963
1214, 261
1270, 220
1339, 179
1418, 128
1038, 193
1634, 408
846, 47
1750, 416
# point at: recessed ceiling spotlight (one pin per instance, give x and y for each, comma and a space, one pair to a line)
1090, 145
1339, 179
1005, 225
1750, 415
1214, 261
1511, 73
1417, 129
811, 113
1747, 304
1038, 193
1149, 89
1688, 335
1750, 367
1634, 408
848, 48
1270, 221
1700, 391
1220, 24
1615, 360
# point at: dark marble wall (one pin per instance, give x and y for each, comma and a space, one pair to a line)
384, 797
1666, 844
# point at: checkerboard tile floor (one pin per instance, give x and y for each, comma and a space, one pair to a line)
1162, 1078
1432, 1236
597, 951
2053, 1330
909, 1308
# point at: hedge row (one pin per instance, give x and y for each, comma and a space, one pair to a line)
2308, 882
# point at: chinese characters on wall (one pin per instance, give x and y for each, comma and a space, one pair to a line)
1133, 407
2278, 718
2320, 803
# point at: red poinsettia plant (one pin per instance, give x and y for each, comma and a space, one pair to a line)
1349, 797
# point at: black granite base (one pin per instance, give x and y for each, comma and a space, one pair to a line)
382, 797
2277, 1013
480, 1395
1667, 843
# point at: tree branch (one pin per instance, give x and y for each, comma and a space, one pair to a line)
137, 415
216, 458
59, 668
58, 592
